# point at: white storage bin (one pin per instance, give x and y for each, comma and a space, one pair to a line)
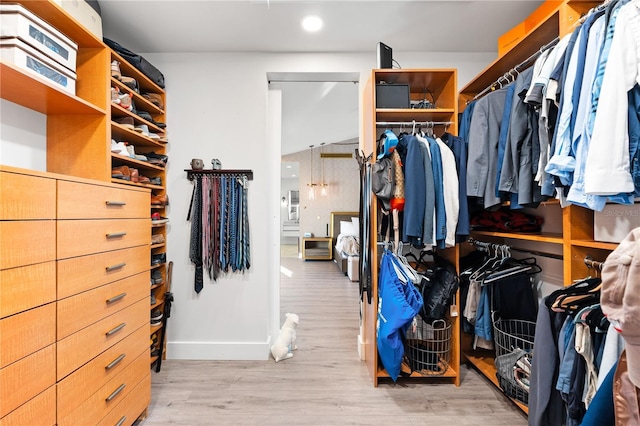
83, 13
18, 22
615, 221
19, 53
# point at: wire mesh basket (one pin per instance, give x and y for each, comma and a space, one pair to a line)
428, 347
514, 350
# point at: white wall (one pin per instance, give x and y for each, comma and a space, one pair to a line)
217, 107
23, 137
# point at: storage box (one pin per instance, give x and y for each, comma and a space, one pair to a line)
392, 96
18, 22
83, 13
19, 53
615, 222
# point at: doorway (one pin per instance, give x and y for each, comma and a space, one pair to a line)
319, 115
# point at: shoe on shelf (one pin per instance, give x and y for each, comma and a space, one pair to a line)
119, 148
154, 98
154, 136
153, 298
121, 172
142, 128
125, 101
155, 352
153, 155
157, 239
135, 175
144, 180
115, 70
125, 122
132, 153
131, 83
115, 95
155, 181
156, 314
159, 200
156, 219
157, 259
155, 323
156, 276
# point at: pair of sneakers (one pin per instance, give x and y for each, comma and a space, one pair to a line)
122, 99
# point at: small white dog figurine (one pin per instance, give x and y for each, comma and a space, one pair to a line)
286, 341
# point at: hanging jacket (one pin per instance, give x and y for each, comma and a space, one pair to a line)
398, 303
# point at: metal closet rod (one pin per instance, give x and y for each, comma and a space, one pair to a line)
411, 123
495, 246
505, 77
593, 264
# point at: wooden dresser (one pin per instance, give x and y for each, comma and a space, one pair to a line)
74, 300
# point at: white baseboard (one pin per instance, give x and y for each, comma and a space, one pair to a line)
219, 351
360, 348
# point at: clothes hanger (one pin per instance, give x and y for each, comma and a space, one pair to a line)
409, 272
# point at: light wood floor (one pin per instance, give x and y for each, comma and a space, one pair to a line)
324, 383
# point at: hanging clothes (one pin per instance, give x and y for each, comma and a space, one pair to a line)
398, 303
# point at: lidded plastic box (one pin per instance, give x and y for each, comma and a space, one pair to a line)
23, 56
18, 22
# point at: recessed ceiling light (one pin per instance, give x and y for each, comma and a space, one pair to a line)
288, 167
312, 23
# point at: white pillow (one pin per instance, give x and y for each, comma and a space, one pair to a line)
347, 228
356, 223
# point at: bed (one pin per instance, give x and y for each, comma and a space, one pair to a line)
345, 246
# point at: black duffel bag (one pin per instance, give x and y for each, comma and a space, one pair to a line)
138, 62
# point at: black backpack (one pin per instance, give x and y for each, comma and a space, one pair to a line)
438, 286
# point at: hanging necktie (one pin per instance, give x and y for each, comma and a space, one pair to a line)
245, 227
195, 247
233, 223
223, 221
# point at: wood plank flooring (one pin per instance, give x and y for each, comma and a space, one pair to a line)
324, 383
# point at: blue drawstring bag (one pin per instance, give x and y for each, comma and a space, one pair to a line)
398, 303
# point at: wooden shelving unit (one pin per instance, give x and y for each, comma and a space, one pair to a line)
439, 87
552, 19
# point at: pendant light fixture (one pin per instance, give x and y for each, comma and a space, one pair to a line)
323, 186
311, 193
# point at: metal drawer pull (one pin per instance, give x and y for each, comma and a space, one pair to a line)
116, 298
115, 329
118, 266
116, 203
116, 234
115, 392
114, 362
121, 421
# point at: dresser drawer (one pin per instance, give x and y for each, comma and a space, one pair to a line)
24, 379
81, 237
40, 410
25, 197
80, 347
78, 386
130, 408
81, 310
27, 287
79, 274
105, 399
27, 332
27, 242
86, 201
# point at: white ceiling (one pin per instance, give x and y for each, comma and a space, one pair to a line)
149, 26
274, 25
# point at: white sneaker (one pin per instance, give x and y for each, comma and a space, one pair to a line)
132, 153
119, 148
